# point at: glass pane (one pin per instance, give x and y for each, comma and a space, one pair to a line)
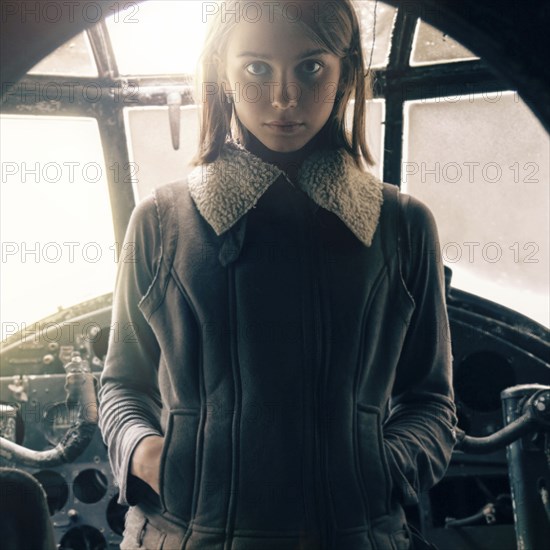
160, 37
482, 164
74, 58
431, 46
385, 18
56, 222
150, 146
166, 37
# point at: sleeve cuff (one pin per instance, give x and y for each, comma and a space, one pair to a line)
126, 481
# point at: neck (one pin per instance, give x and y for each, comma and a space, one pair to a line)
290, 163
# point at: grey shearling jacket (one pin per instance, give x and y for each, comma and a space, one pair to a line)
291, 344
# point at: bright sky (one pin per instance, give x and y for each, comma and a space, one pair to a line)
56, 226
159, 37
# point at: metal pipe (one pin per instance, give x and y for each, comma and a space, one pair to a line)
81, 392
484, 445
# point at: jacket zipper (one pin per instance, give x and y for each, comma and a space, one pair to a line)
318, 392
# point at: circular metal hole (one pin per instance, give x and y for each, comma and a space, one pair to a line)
56, 488
116, 514
83, 537
479, 379
90, 486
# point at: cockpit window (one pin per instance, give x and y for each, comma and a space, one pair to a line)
484, 173
58, 245
158, 38
150, 146
74, 58
377, 22
442, 125
149, 38
432, 46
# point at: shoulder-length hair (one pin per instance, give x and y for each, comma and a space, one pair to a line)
335, 27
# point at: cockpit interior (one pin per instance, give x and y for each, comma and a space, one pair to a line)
98, 108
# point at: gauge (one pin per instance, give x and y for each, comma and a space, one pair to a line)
57, 419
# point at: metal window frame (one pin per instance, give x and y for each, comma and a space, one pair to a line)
400, 82
396, 83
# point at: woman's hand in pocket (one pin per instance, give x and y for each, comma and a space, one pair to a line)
145, 462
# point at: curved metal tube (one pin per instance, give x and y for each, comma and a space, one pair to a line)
536, 416
483, 445
80, 387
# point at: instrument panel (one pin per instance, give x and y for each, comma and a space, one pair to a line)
488, 356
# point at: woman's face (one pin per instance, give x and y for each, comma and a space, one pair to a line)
283, 86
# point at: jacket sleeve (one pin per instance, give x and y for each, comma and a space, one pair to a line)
129, 399
419, 433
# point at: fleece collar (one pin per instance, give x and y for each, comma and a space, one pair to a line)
229, 187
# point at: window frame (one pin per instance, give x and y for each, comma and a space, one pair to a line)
396, 83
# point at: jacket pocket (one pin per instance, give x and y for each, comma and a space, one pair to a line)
374, 469
178, 462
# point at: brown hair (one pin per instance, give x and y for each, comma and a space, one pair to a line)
335, 28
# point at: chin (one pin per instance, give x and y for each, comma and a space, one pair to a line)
284, 149
287, 145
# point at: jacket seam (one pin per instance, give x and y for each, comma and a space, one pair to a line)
400, 205
163, 260
157, 269
200, 427
357, 461
236, 421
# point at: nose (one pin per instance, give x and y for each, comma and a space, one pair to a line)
285, 95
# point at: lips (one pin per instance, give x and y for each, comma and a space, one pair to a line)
284, 126
283, 123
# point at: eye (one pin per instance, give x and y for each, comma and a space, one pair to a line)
311, 67
257, 68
